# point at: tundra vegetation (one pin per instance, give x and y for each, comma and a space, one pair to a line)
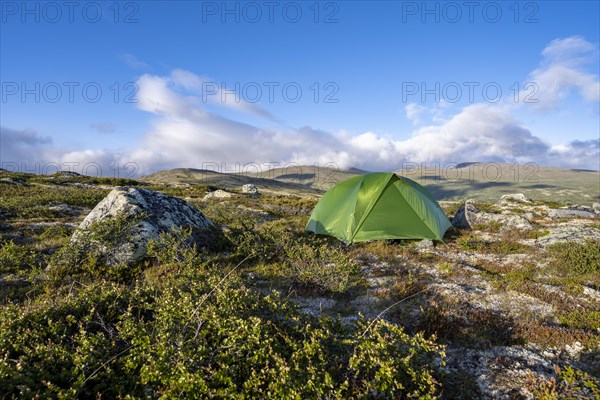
274, 312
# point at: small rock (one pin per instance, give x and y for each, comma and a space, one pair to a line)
217, 194
596, 207
379, 281
574, 350
424, 244
64, 209
249, 189
509, 199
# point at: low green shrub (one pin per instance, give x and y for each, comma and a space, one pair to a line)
14, 257
569, 383
66, 346
576, 258
198, 331
470, 242
234, 343
581, 319
320, 268
86, 254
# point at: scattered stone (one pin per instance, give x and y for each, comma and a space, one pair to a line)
424, 244
512, 199
596, 207
64, 209
66, 174
379, 281
217, 194
249, 189
468, 216
9, 181
574, 350
575, 211
568, 233
79, 185
157, 213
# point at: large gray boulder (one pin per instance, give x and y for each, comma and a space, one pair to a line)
145, 214
469, 217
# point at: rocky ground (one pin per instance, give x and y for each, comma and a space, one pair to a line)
513, 291
501, 307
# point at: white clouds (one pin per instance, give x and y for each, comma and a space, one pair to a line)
478, 132
92, 162
188, 135
26, 151
188, 129
202, 90
572, 51
134, 62
14, 139
576, 154
563, 70
413, 112
24, 146
417, 114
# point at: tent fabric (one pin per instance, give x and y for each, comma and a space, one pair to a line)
378, 205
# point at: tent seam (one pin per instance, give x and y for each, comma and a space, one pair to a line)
371, 206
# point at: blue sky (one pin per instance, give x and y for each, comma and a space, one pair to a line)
188, 83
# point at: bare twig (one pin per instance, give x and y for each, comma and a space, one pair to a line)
206, 296
104, 364
393, 305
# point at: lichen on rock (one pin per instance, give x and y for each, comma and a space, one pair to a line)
137, 216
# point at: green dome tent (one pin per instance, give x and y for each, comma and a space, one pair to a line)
379, 205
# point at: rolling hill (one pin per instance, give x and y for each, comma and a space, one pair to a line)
479, 180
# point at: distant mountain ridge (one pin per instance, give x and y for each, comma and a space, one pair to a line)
479, 180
